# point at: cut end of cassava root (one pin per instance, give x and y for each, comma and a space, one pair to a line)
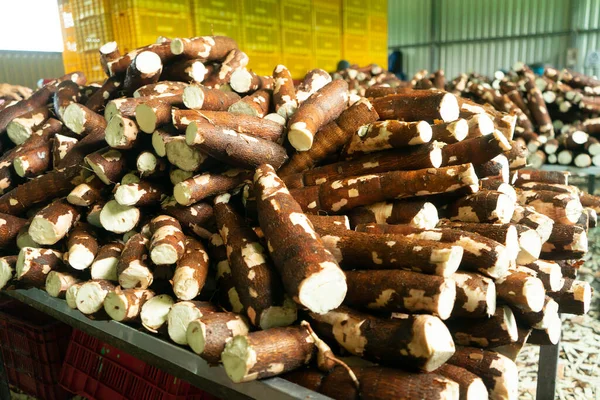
75, 118
238, 358
118, 218
432, 340
155, 312
324, 290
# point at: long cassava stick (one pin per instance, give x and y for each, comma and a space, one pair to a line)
418, 105
191, 270
414, 212
475, 296
310, 275
254, 276
208, 335
498, 330
425, 343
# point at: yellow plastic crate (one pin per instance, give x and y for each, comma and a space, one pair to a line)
90, 65
358, 5
327, 18
379, 7
296, 16
355, 22
380, 59
170, 6
264, 12
355, 44
89, 8
93, 32
329, 64
328, 43
139, 27
298, 65
378, 44
222, 9
297, 41
209, 27
378, 25
263, 63
261, 38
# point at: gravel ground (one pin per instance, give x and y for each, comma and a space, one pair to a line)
579, 363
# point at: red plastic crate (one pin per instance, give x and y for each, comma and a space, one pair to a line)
33, 346
99, 371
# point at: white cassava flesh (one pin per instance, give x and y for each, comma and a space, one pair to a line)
105, 268
74, 118
118, 218
155, 312
6, 273
90, 297
57, 281
238, 358
71, 295
180, 316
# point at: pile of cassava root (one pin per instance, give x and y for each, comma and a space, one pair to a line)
261, 223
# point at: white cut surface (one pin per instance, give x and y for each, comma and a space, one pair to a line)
238, 358
118, 218
155, 312
90, 298
6, 273
180, 316
115, 305
105, 268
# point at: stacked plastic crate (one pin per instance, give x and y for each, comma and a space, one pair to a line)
261, 34
297, 36
378, 39
137, 23
70, 54
327, 23
355, 27
217, 17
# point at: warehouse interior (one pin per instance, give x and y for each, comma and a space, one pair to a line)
300, 199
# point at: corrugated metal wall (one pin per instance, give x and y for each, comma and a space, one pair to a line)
27, 67
483, 36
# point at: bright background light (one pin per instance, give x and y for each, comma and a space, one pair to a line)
31, 25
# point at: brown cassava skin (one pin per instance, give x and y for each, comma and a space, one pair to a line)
481, 363
66, 93
152, 192
566, 242
247, 124
234, 148
374, 251
472, 299
254, 276
235, 59
494, 168
35, 161
485, 332
532, 175
546, 337
288, 348
295, 248
496, 232
313, 81
382, 91
571, 299
476, 150
411, 106
537, 107
329, 224
123, 106
553, 187
537, 319
217, 333
171, 91
256, 104
553, 205
110, 162
461, 376
83, 235
9, 228
450, 132
39, 262
207, 48
94, 141
135, 78
94, 122
384, 135
284, 93
348, 193
483, 206
331, 137
401, 284
245, 81
415, 158
529, 217
192, 265
481, 254
166, 230
61, 215
209, 184
512, 350
61, 145
591, 201
107, 91
135, 299
182, 71
135, 253
511, 289
517, 155
318, 110
53, 184
385, 341
196, 218
569, 268
227, 295
584, 220
87, 192
214, 99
